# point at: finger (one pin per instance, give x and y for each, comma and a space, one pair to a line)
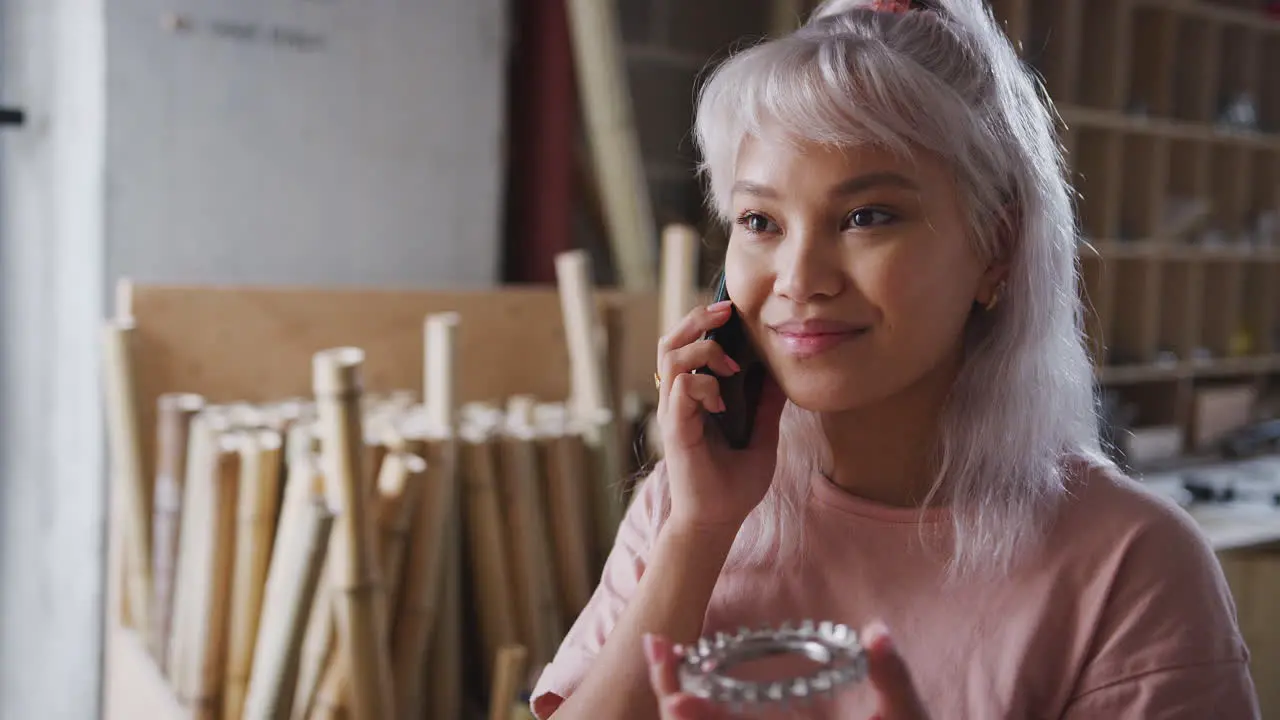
683, 706
890, 677
697, 322
691, 394
698, 354
661, 656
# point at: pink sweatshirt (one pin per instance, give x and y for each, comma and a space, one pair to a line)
1126, 613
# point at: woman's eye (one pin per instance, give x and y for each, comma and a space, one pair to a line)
757, 223
869, 217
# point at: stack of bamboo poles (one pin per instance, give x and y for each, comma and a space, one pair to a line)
353, 554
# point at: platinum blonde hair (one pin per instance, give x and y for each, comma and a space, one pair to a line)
943, 80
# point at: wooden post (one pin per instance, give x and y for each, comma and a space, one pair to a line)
615, 149
679, 274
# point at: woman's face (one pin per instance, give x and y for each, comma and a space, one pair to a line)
852, 269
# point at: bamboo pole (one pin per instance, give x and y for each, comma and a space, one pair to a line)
424, 569
615, 149
427, 626
490, 566
590, 398
256, 518
198, 482
444, 675
317, 644
125, 440
174, 412
400, 484
301, 544
508, 680
214, 552
679, 274
537, 612
361, 602
568, 510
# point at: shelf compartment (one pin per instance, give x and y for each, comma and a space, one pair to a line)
1238, 70
1232, 196
1135, 310
1188, 199
1152, 41
1054, 46
1145, 179
1269, 84
1258, 306
1103, 66
1195, 66
1180, 306
1096, 166
1097, 291
1222, 327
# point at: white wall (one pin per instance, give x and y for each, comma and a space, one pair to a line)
371, 158
374, 157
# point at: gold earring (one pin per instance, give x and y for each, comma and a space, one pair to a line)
995, 297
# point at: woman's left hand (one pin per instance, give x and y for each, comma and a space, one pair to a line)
888, 674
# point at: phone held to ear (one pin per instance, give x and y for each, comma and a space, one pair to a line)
740, 391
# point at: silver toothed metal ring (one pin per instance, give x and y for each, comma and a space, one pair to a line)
833, 646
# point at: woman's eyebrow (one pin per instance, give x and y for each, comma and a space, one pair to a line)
862, 183
852, 186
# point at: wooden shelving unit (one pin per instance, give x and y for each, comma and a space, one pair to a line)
1179, 210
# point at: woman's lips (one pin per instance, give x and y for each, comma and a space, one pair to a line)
810, 339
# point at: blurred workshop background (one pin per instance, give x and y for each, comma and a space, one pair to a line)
496, 202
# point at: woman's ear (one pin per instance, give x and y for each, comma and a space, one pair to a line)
991, 285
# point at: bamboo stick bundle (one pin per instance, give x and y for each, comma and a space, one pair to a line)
490, 567
361, 603
590, 394
528, 542
301, 544
255, 531
396, 489
173, 420
508, 681
127, 470
214, 548
564, 477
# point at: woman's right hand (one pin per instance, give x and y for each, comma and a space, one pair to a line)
712, 485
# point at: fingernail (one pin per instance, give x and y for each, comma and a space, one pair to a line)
720, 307
733, 365
652, 651
876, 636
720, 406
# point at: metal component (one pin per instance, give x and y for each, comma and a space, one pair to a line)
703, 670
12, 116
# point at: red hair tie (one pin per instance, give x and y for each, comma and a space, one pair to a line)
892, 6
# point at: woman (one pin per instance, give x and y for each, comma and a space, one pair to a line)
927, 464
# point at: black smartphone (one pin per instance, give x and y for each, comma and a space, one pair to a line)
740, 391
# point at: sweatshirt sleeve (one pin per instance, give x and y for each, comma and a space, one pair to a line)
622, 572
1167, 643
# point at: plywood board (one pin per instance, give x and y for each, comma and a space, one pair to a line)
255, 343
